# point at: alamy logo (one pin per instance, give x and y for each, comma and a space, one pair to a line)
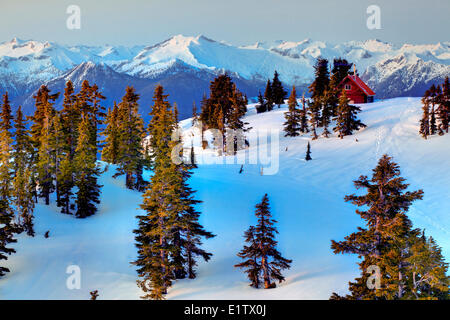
374, 19
74, 280
374, 280
73, 22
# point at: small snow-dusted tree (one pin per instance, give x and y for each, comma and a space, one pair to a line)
262, 259
346, 118
194, 114
94, 294
308, 152
261, 107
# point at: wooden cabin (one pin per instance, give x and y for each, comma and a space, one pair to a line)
357, 91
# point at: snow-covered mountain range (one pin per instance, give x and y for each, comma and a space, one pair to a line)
187, 64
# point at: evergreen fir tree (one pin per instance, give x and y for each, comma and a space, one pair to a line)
340, 70
223, 94
388, 240
268, 95
56, 145
261, 107
131, 135
86, 171
250, 254
6, 141
169, 235
328, 102
111, 147
322, 79
234, 137
428, 270
44, 167
314, 116
43, 110
66, 184
37, 120
7, 231
70, 118
278, 92
191, 230
304, 117
425, 121
193, 161
433, 124
308, 152
40, 139
155, 235
262, 261
98, 112
94, 294
293, 116
346, 119
271, 260
194, 114
433, 100
443, 110
23, 183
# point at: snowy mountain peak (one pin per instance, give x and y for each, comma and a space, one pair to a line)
25, 64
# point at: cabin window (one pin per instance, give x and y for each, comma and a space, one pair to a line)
348, 87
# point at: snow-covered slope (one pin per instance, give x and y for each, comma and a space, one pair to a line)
306, 198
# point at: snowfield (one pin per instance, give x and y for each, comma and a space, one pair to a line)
305, 197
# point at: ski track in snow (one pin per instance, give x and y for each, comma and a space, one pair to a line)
305, 197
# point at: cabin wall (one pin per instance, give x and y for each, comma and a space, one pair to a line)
355, 94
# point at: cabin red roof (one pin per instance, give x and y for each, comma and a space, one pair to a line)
358, 82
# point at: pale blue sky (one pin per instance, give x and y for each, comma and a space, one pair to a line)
238, 22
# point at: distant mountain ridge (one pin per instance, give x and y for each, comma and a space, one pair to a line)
186, 65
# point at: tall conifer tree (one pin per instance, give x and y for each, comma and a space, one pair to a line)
292, 116
388, 241
23, 183
425, 121
86, 171
6, 141
111, 147
278, 92
131, 134
268, 96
